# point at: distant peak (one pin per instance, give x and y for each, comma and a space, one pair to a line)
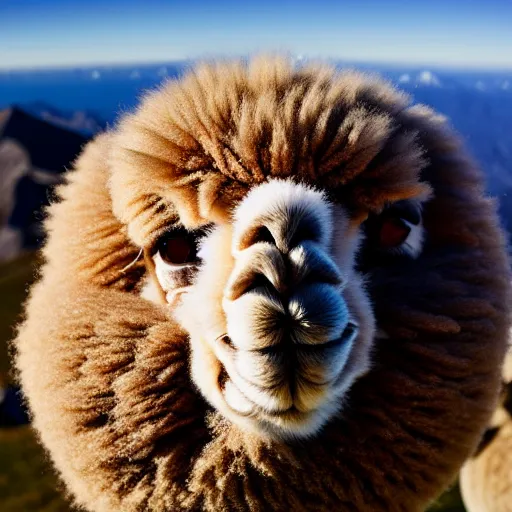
426, 77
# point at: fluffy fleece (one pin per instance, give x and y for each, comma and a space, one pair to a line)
106, 373
486, 479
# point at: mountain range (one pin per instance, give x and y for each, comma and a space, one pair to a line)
34, 155
67, 107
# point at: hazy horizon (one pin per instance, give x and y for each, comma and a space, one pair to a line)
455, 34
386, 64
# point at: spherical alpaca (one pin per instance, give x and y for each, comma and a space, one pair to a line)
486, 479
269, 288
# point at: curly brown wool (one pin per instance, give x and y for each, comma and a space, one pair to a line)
107, 373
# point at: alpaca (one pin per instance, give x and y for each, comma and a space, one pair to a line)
268, 288
486, 478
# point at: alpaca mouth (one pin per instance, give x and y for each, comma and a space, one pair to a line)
291, 414
347, 336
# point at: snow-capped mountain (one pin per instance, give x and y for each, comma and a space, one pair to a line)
478, 103
422, 78
82, 121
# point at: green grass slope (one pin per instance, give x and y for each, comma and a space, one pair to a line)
15, 277
27, 481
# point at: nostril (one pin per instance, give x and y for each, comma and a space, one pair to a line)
226, 340
305, 231
349, 332
222, 378
260, 281
256, 235
259, 266
263, 234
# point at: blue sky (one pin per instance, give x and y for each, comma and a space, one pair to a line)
49, 33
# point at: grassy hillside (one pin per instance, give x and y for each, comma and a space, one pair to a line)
27, 482
451, 501
15, 277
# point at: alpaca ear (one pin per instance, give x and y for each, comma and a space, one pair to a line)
208, 193
184, 200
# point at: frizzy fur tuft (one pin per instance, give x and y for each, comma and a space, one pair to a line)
106, 373
226, 125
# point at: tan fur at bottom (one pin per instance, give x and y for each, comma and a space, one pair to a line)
486, 479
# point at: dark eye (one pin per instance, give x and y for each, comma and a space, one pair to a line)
178, 247
397, 227
393, 232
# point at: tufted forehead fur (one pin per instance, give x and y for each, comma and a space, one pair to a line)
226, 127
106, 373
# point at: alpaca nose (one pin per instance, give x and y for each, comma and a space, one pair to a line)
286, 316
285, 232
283, 218
282, 240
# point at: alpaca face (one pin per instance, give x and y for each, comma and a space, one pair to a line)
279, 320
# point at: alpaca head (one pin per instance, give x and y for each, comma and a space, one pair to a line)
275, 303
264, 196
